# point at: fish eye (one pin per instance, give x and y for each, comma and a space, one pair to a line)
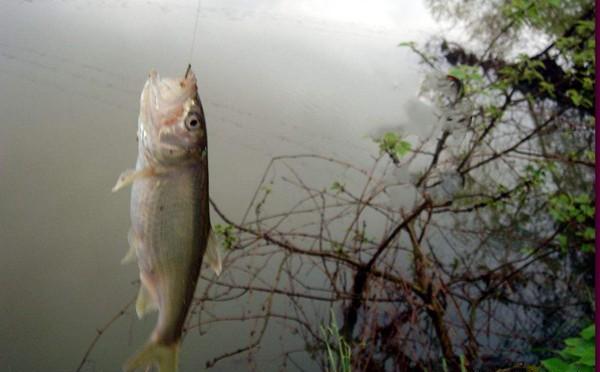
192, 122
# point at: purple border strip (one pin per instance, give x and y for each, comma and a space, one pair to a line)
597, 222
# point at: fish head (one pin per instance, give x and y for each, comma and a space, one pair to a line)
172, 127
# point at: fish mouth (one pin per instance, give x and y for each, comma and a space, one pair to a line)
166, 97
170, 92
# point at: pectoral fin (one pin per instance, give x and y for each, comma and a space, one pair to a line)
144, 303
212, 253
129, 176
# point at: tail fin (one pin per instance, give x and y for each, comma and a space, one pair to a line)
165, 356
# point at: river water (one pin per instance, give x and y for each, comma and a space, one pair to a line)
275, 77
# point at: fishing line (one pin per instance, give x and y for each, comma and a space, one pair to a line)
195, 32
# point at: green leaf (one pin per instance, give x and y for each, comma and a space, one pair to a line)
578, 351
588, 359
576, 367
457, 73
402, 148
586, 248
588, 333
564, 355
392, 144
588, 354
555, 365
589, 211
576, 98
554, 3
226, 233
573, 342
589, 233
338, 187
547, 87
562, 240
463, 368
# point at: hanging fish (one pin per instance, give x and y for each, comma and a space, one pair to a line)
171, 230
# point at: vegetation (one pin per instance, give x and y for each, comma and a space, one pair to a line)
579, 354
477, 260
339, 353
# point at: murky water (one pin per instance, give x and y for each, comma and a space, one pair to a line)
276, 77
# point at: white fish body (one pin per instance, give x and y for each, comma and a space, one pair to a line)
171, 230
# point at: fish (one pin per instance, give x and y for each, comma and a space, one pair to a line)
170, 230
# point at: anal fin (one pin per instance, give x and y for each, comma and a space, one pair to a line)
145, 303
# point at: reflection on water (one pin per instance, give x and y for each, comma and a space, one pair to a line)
276, 77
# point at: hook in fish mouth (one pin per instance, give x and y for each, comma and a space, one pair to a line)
187, 71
